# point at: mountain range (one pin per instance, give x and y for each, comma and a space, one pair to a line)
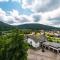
33, 26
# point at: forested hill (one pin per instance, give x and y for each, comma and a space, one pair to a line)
5, 27
34, 26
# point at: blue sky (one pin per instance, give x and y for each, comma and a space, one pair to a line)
9, 6
15, 12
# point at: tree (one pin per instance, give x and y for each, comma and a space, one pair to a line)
17, 48
0, 33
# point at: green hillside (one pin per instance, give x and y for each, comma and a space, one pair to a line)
5, 27
37, 27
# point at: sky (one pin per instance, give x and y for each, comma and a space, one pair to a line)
16, 12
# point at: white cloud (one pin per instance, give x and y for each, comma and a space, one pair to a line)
26, 4
19, 1
14, 13
41, 5
48, 17
53, 14
2, 12
4, 0
14, 17
35, 5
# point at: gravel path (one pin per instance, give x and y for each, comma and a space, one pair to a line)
38, 55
